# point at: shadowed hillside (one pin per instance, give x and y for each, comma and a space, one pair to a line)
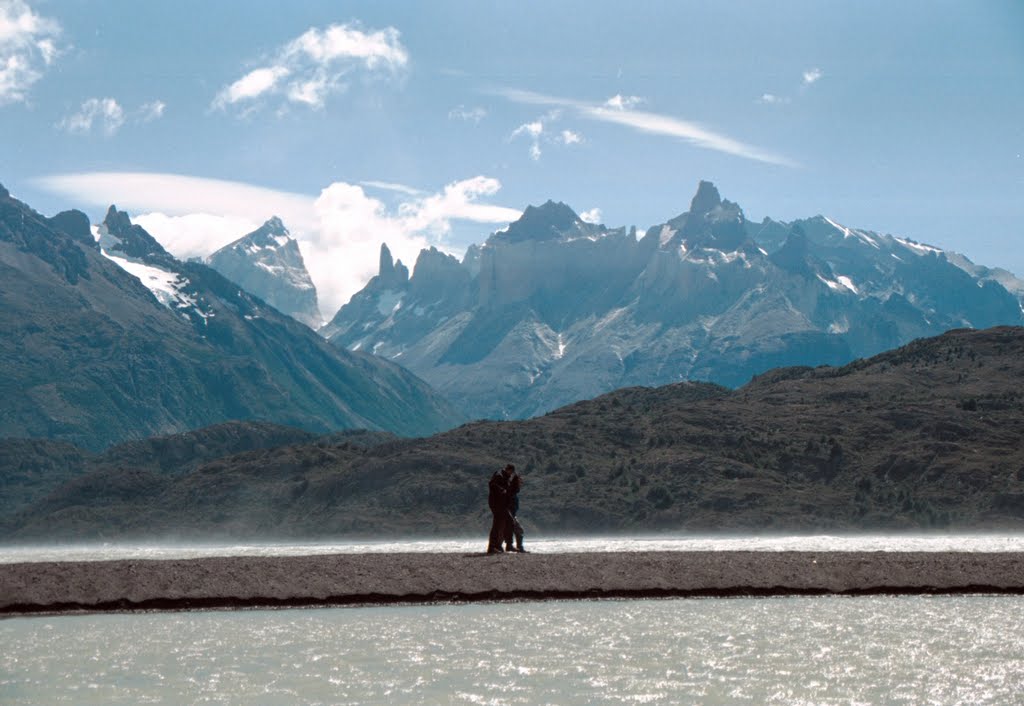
925, 436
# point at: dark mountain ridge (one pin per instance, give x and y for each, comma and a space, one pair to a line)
100, 346
922, 437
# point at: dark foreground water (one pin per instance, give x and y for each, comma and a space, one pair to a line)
834, 650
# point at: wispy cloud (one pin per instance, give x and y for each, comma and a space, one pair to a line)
105, 114
812, 75
392, 186
27, 46
532, 130
154, 110
772, 99
652, 123
339, 230
620, 102
537, 132
469, 115
316, 64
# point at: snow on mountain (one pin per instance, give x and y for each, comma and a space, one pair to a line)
553, 309
269, 264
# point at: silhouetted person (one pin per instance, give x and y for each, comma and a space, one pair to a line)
497, 500
512, 527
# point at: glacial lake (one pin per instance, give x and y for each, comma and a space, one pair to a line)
822, 650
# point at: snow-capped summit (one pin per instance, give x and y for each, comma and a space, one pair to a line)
268, 263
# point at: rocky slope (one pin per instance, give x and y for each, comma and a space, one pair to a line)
104, 341
554, 310
267, 263
925, 436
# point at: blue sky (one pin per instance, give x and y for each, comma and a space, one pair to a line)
434, 123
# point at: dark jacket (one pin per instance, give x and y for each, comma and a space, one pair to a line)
497, 495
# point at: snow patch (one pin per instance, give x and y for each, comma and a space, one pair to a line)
843, 283
847, 282
168, 287
666, 234
163, 284
389, 302
918, 248
851, 233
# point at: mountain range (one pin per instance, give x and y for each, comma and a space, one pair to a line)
106, 337
554, 309
922, 437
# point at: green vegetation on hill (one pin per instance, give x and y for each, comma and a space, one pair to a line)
925, 436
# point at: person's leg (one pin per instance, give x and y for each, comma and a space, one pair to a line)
497, 531
517, 529
509, 523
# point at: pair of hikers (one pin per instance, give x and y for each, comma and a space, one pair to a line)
503, 499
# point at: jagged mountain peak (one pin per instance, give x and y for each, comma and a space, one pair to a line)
705, 200
712, 222
268, 263
549, 221
391, 274
117, 234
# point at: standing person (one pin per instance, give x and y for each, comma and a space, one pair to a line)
497, 500
515, 483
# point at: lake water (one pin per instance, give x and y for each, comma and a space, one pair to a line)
821, 543
831, 650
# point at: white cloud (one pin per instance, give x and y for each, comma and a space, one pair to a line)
620, 102
106, 114
592, 216
252, 85
653, 123
569, 137
154, 110
772, 99
309, 68
812, 75
533, 131
27, 46
470, 115
339, 231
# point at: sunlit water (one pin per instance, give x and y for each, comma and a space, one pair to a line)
866, 650
824, 543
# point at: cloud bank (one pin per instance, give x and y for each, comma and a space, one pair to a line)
339, 231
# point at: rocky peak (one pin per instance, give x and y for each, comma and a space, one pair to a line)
711, 222
119, 235
272, 234
705, 200
391, 274
549, 221
4, 193
76, 224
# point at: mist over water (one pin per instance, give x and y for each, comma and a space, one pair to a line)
818, 543
834, 650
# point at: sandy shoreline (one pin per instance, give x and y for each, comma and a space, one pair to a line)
351, 579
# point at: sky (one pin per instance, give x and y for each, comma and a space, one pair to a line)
435, 124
